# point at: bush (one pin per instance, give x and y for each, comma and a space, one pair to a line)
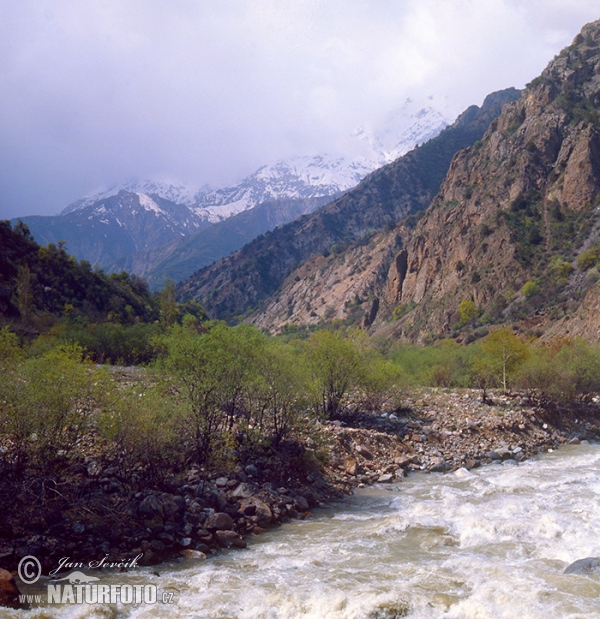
589, 258
530, 289
47, 406
467, 311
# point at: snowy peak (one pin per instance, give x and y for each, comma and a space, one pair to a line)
179, 194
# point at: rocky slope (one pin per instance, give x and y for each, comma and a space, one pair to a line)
239, 282
517, 207
195, 515
505, 235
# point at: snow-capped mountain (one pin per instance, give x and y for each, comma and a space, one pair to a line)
323, 175
297, 177
115, 225
179, 194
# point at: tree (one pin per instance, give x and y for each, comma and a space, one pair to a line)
24, 293
467, 311
336, 366
168, 306
502, 352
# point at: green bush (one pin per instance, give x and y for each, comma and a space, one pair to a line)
530, 289
47, 406
589, 258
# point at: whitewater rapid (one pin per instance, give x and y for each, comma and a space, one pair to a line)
486, 544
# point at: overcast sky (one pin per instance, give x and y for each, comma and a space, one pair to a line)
94, 93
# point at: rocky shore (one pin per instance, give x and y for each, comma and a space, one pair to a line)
194, 516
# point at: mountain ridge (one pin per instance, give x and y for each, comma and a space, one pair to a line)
236, 284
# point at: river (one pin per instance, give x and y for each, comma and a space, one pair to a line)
487, 544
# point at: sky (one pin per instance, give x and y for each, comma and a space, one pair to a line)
201, 92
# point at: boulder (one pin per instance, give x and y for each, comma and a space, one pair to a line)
9, 592
387, 477
301, 503
350, 466
583, 566
219, 521
244, 491
151, 507
438, 466
188, 553
227, 539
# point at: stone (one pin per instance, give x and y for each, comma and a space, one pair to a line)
463, 473
351, 466
438, 466
221, 482
188, 553
301, 503
219, 521
184, 542
402, 461
244, 490
583, 566
493, 455
574, 441
251, 470
9, 592
386, 478
151, 507
227, 539
364, 452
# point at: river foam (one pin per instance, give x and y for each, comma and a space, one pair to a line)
488, 544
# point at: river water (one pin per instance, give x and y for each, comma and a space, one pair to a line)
487, 544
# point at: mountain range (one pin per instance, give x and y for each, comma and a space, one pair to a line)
239, 283
157, 229
506, 231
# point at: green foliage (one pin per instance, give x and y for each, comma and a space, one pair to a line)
467, 311
444, 364
46, 405
402, 310
143, 428
168, 306
36, 279
559, 267
589, 258
567, 372
499, 358
337, 366
530, 289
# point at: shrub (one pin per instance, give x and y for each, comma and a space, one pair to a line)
467, 311
589, 258
530, 289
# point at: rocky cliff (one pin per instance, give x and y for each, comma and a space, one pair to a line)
503, 240
515, 210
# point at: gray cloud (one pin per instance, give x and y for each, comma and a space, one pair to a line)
199, 91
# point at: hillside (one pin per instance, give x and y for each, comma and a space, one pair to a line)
236, 284
40, 282
512, 237
516, 210
114, 227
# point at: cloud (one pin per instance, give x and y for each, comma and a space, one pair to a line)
102, 91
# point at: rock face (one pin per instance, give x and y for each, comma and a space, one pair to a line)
523, 194
238, 282
517, 206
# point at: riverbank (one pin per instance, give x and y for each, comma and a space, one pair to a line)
195, 515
